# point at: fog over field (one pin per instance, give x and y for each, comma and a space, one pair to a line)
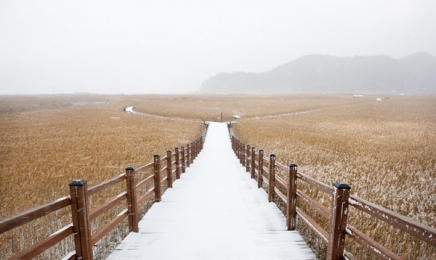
97, 46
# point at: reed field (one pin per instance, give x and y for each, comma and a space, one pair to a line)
48, 141
385, 150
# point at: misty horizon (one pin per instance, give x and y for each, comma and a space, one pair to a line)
136, 47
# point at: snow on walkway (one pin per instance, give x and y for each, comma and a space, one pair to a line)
215, 211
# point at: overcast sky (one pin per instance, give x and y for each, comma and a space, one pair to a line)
65, 46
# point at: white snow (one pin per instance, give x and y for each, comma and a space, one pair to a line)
215, 211
130, 109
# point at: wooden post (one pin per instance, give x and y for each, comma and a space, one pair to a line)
234, 145
291, 206
260, 171
240, 151
192, 149
247, 161
188, 155
169, 169
157, 179
183, 160
177, 163
80, 214
253, 162
132, 204
237, 148
272, 177
195, 148
243, 154
338, 221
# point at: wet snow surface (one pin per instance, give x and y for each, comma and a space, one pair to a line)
215, 211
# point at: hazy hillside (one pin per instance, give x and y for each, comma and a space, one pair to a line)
322, 73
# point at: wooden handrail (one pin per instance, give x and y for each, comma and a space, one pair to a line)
106, 184
109, 204
147, 166
280, 194
281, 181
144, 197
32, 214
370, 244
317, 184
82, 216
413, 227
108, 227
337, 214
144, 181
314, 204
313, 225
44, 244
281, 166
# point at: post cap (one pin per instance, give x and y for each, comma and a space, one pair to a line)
130, 168
342, 186
156, 155
272, 155
292, 165
253, 148
78, 183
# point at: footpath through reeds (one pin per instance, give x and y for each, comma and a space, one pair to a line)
215, 211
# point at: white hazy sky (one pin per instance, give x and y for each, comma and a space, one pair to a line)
143, 46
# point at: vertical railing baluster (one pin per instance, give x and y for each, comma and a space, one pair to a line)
338, 221
169, 169
188, 155
291, 206
243, 154
272, 176
157, 179
247, 161
192, 153
132, 205
240, 145
177, 162
260, 171
253, 162
80, 216
183, 160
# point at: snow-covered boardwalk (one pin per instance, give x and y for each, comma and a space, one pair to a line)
215, 211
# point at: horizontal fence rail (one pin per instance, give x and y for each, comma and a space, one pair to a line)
285, 192
162, 175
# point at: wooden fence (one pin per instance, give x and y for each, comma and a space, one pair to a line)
164, 169
263, 169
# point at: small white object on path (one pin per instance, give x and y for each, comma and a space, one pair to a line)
214, 211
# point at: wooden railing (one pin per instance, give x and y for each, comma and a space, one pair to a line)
263, 169
163, 171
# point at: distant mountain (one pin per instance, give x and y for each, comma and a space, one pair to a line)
322, 73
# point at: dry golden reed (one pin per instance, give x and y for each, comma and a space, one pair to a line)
385, 150
48, 141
